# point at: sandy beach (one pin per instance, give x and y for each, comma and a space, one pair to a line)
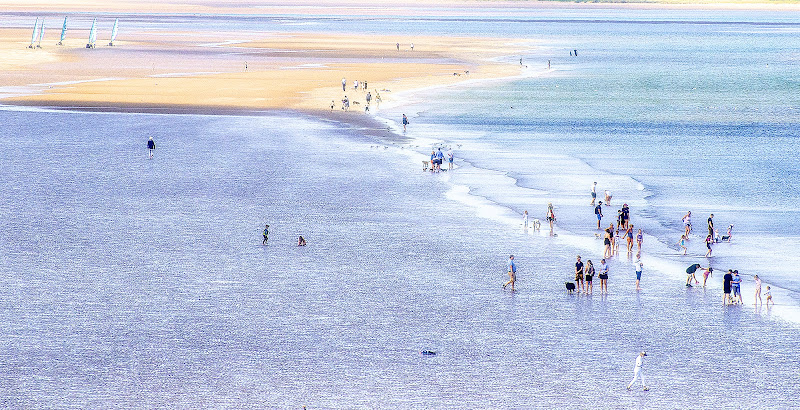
214, 71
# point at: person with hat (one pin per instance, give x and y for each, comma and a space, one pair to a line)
637, 372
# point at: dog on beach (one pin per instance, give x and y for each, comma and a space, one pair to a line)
570, 287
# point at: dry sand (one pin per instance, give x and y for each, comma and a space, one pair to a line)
262, 71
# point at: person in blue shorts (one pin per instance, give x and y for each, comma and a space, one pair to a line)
266, 235
638, 268
598, 211
512, 273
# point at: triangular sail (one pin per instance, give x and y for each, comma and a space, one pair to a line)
114, 32
33, 36
41, 35
63, 32
92, 35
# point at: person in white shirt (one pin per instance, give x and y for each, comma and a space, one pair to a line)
637, 372
525, 220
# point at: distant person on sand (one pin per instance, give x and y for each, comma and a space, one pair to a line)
603, 276
412, 46
301, 241
687, 224
638, 267
726, 287
512, 273
266, 235
637, 372
344, 84
525, 219
598, 212
369, 98
682, 243
398, 46
589, 271
768, 294
333, 104
405, 122
758, 290
594, 192
151, 146
450, 160
690, 274
579, 275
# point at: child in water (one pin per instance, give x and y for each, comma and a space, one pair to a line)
682, 243
769, 296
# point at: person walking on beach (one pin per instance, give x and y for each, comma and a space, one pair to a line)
736, 287
687, 223
690, 274
369, 98
726, 287
598, 212
579, 275
638, 269
398, 46
151, 146
603, 276
594, 192
412, 46
758, 290
525, 219
709, 241
637, 372
512, 273
589, 271
266, 235
405, 122
551, 216
344, 84
682, 243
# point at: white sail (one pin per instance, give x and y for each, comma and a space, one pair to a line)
33, 36
41, 35
114, 32
63, 32
92, 35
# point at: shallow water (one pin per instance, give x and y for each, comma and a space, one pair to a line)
130, 281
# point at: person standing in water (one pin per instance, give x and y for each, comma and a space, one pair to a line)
768, 294
603, 276
405, 122
758, 290
579, 275
450, 160
639, 239
512, 273
525, 219
711, 226
687, 224
682, 243
551, 216
594, 192
151, 146
589, 271
598, 212
637, 372
708, 272
638, 268
266, 235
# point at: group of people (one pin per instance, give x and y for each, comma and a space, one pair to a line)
300, 241
712, 237
437, 158
584, 276
357, 85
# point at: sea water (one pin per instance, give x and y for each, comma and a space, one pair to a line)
133, 282
675, 114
